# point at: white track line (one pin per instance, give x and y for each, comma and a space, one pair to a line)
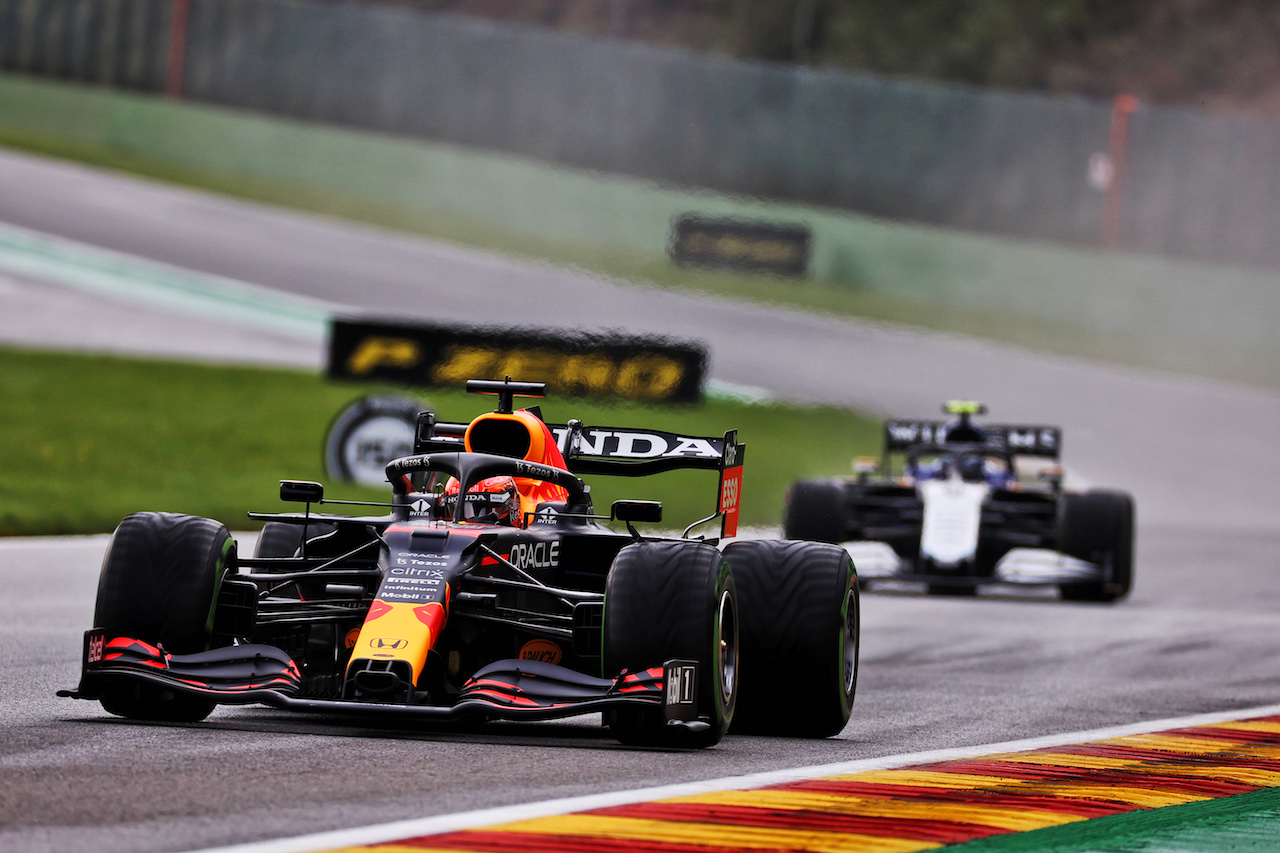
505, 814
51, 543
123, 276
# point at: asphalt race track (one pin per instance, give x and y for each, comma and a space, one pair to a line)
1199, 634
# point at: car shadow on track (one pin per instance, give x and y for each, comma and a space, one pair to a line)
579, 734
995, 592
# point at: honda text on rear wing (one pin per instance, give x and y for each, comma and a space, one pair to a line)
598, 451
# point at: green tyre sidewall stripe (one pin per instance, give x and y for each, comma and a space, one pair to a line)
224, 559
843, 638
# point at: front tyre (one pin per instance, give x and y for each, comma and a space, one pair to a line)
159, 583
817, 510
1097, 526
800, 632
666, 600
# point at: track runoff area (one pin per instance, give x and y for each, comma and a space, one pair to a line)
1204, 783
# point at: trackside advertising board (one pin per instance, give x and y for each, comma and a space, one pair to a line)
573, 363
767, 247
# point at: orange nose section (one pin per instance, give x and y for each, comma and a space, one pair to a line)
399, 631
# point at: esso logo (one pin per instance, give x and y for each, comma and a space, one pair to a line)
729, 493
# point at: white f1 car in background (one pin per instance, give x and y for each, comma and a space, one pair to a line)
955, 505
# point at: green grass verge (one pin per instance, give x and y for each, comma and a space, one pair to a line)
1242, 822
85, 440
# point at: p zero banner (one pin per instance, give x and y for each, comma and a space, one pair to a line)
572, 363
771, 247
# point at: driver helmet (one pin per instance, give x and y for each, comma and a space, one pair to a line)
973, 468
1000, 473
934, 468
494, 500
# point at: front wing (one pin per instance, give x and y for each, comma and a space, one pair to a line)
506, 689
1023, 566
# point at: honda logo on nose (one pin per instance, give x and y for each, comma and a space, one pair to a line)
385, 643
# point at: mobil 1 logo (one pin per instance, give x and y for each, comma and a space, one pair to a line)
680, 689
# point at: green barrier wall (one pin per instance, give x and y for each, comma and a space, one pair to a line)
1189, 314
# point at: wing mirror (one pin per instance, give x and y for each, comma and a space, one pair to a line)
630, 511
865, 466
301, 491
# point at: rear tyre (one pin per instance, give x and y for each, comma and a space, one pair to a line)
281, 539
159, 583
666, 600
800, 631
816, 511
1097, 526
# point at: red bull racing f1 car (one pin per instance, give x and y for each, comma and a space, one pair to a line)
489, 589
948, 504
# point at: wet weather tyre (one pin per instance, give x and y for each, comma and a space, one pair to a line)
817, 510
666, 600
1097, 526
278, 539
282, 539
800, 626
159, 583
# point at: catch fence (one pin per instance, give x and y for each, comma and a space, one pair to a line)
1193, 183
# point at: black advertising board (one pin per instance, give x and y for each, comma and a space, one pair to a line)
770, 247
572, 363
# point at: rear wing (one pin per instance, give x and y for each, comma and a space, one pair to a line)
624, 452
1019, 439
618, 452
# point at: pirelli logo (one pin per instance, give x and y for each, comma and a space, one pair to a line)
572, 363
